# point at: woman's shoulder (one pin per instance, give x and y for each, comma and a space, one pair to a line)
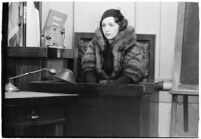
130, 29
126, 39
97, 36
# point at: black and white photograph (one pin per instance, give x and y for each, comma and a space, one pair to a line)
100, 69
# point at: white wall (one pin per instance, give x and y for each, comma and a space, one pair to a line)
167, 39
148, 22
88, 14
165, 60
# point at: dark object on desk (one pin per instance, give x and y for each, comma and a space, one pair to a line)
34, 114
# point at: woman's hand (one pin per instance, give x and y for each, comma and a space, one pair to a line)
103, 81
107, 82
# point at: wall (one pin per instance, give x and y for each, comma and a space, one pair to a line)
91, 13
157, 18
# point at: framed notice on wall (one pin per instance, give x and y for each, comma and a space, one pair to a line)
55, 18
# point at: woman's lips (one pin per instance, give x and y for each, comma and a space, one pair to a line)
107, 34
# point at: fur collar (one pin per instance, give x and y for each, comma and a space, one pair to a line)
122, 42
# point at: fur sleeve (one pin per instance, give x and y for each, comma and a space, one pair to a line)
136, 62
88, 59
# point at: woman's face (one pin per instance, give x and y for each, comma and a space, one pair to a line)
110, 28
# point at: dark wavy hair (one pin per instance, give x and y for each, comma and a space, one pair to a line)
118, 18
122, 24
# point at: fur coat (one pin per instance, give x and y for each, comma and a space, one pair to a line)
131, 58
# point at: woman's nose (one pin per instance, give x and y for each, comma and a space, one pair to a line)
107, 28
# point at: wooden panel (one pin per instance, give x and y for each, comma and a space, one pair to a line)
154, 114
4, 25
4, 44
104, 117
87, 89
9, 69
17, 66
109, 110
41, 52
26, 52
150, 39
80, 43
27, 65
39, 116
149, 115
190, 49
100, 89
178, 86
145, 116
59, 53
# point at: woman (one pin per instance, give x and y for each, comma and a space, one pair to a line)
114, 56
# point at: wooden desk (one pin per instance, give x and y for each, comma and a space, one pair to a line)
34, 114
109, 110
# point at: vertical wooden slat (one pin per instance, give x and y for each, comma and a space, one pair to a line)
154, 114
27, 65
58, 129
149, 115
4, 43
173, 116
145, 116
185, 113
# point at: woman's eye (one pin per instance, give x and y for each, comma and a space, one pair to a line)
111, 25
